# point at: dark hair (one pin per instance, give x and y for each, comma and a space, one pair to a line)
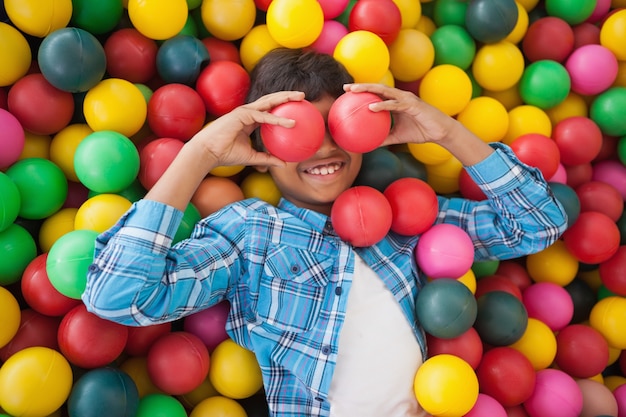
316, 74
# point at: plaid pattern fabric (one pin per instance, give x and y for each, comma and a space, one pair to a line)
287, 274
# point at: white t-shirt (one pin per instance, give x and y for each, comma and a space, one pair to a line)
378, 354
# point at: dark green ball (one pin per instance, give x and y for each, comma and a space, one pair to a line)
501, 318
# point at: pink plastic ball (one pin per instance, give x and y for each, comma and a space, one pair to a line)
361, 215
333, 8
556, 394
299, 142
486, 406
620, 397
600, 11
560, 175
549, 303
592, 69
612, 172
356, 128
445, 251
209, 325
11, 139
332, 32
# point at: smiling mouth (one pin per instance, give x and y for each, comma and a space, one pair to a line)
326, 169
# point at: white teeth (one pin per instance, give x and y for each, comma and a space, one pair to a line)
324, 169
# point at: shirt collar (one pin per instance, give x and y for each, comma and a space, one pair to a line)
318, 221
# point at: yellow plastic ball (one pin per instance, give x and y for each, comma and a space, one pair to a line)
388, 79
614, 354
63, 147
158, 19
200, 393
527, 119
34, 382
537, 344
10, 317
591, 278
55, 226
426, 25
486, 117
618, 4
218, 406
554, 264
620, 79
521, 26
446, 386
528, 4
227, 171
574, 105
234, 371
100, 212
137, 369
228, 20
39, 18
429, 153
607, 317
614, 381
446, 87
411, 55
498, 66
411, 12
115, 104
364, 54
444, 177
510, 98
255, 45
469, 280
295, 23
15, 55
613, 34
35, 146
260, 185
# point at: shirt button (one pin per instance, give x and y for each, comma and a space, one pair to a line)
328, 227
338, 290
326, 350
319, 399
295, 268
93, 268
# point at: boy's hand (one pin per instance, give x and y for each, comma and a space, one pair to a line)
226, 140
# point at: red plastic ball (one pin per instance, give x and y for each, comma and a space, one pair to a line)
39, 293
548, 37
582, 351
299, 142
353, 126
89, 341
130, 55
178, 363
40, 107
578, 138
538, 150
223, 86
468, 187
497, 283
593, 238
141, 338
613, 272
586, 33
361, 215
175, 111
600, 196
467, 346
155, 157
507, 375
209, 325
516, 272
368, 15
35, 329
221, 50
578, 174
414, 205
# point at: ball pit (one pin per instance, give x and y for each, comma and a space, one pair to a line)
55, 57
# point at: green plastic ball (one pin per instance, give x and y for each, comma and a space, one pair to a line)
490, 21
379, 168
545, 84
103, 392
453, 45
17, 250
96, 17
446, 308
411, 167
106, 162
568, 198
449, 12
572, 11
42, 186
10, 201
608, 110
485, 268
68, 261
160, 405
191, 216
501, 318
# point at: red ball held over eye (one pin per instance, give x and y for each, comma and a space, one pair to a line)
353, 126
299, 142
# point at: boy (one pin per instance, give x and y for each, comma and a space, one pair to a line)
333, 327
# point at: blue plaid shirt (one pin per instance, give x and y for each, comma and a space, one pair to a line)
287, 274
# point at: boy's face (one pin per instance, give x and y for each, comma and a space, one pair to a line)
316, 182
